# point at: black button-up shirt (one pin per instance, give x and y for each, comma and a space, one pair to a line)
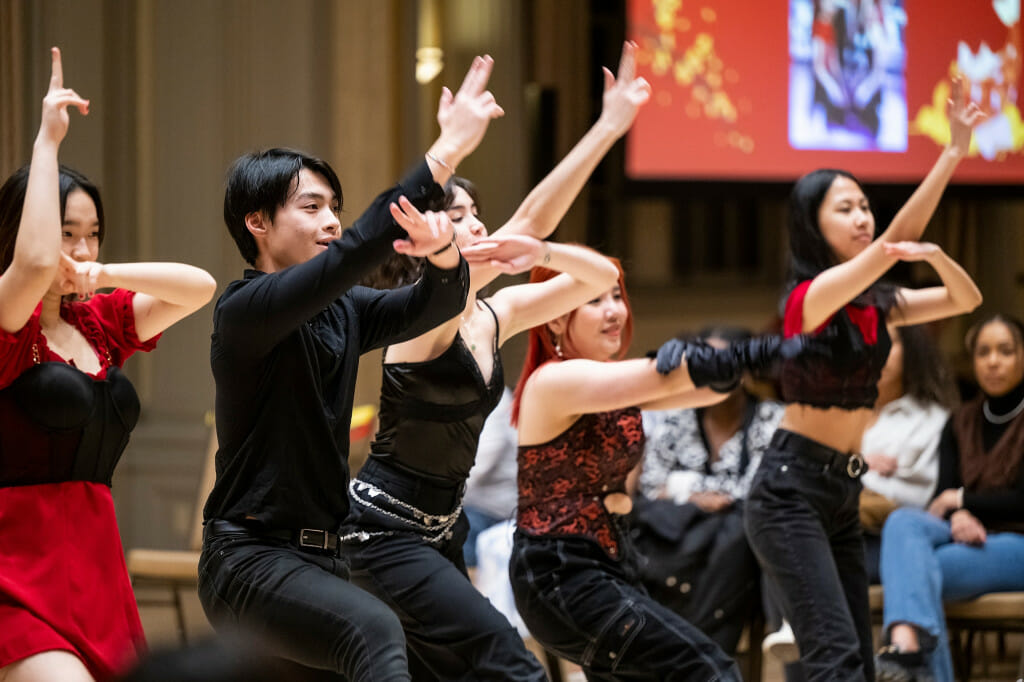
284, 353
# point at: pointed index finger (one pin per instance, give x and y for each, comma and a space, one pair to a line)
56, 70
627, 62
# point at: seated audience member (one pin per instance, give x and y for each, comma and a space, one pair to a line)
969, 542
491, 490
915, 395
688, 522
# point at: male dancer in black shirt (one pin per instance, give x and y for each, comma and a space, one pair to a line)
285, 349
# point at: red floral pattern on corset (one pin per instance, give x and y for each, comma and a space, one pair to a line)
562, 483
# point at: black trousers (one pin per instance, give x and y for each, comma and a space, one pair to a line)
803, 524
591, 610
300, 607
453, 631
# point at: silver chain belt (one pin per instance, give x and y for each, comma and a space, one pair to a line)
435, 528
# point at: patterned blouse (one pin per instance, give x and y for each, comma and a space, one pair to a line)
676, 459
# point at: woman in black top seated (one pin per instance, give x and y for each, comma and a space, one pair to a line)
971, 539
802, 509
405, 533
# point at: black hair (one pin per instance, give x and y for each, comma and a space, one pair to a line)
809, 252
399, 269
1015, 326
12, 201
262, 182
927, 376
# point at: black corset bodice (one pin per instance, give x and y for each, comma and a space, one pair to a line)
847, 374
431, 413
59, 424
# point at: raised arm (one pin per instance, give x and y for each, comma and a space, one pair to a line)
585, 275
958, 295
165, 292
463, 118
837, 286
546, 205
37, 247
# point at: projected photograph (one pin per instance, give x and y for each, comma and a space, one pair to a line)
847, 81
766, 91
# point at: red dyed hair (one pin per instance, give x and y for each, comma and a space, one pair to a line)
540, 345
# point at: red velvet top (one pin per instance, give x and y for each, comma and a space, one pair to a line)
63, 581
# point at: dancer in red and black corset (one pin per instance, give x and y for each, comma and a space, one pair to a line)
580, 433
67, 611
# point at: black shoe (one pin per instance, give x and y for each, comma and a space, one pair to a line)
893, 665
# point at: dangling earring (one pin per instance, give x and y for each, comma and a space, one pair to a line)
558, 347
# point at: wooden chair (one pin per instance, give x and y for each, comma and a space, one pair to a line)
176, 570
999, 612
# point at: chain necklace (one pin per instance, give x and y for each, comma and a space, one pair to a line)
1001, 418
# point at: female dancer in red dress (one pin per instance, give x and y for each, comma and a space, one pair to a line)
67, 611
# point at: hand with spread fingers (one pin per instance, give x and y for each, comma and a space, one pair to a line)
963, 115
624, 93
463, 117
429, 234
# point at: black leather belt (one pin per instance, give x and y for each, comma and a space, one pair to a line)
307, 539
851, 464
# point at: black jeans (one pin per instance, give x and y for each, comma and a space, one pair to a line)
300, 606
453, 631
803, 523
590, 609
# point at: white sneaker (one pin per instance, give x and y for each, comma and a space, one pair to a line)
781, 644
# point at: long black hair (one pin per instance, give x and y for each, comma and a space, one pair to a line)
809, 253
12, 201
927, 376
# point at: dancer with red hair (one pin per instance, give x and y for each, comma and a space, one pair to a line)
577, 405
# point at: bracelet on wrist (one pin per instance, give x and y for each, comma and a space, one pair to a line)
445, 247
441, 162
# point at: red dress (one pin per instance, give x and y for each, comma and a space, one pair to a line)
63, 580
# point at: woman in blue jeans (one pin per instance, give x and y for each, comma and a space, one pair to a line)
802, 510
970, 540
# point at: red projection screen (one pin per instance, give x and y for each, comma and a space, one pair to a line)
769, 89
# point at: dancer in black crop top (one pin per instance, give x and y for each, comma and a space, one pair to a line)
405, 534
801, 514
67, 609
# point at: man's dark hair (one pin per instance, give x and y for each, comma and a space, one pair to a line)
262, 182
12, 201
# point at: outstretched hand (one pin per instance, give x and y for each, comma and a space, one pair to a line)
464, 116
55, 118
911, 251
624, 94
963, 115
509, 253
78, 277
427, 232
